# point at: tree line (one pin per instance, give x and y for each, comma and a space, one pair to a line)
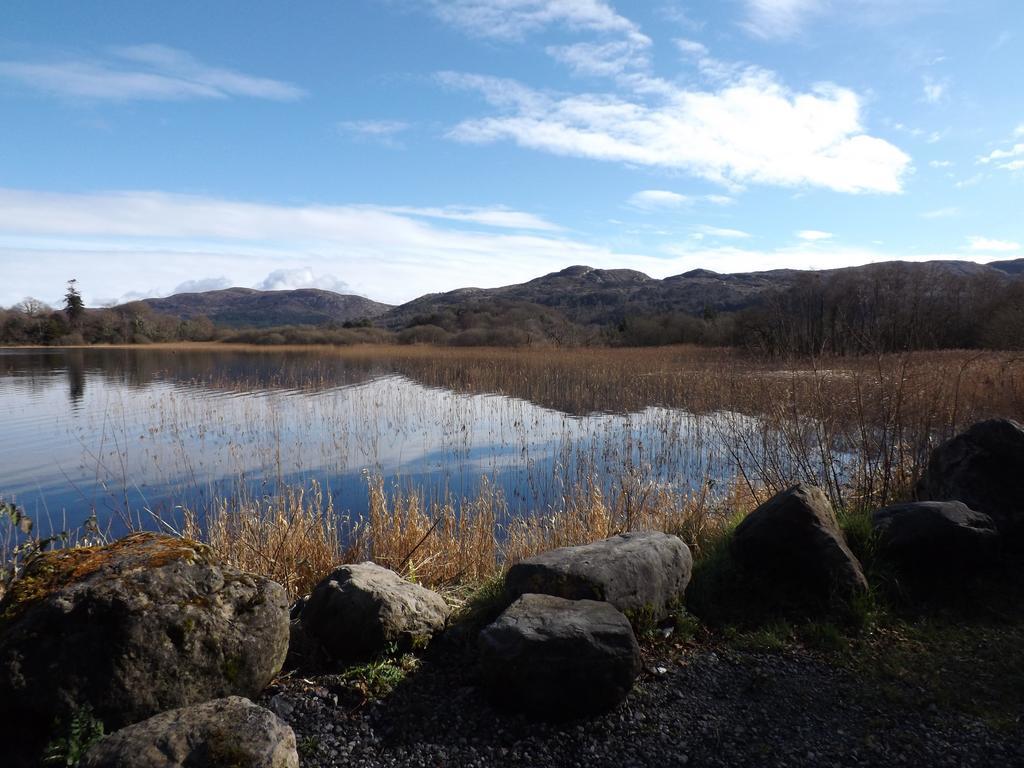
888, 308
33, 322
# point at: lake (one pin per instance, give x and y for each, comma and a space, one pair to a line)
139, 433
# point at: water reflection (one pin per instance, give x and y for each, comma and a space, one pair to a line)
75, 362
130, 432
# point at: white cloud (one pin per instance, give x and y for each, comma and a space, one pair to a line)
813, 235
145, 72
602, 59
783, 19
1014, 157
651, 199
935, 91
512, 19
692, 47
985, 244
382, 131
720, 199
489, 217
301, 277
721, 233
779, 18
203, 284
119, 242
751, 129
941, 213
940, 163
1019, 130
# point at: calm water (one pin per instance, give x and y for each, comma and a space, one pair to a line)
145, 431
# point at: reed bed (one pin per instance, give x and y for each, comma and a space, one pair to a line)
681, 439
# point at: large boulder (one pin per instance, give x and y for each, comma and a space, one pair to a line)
362, 610
795, 540
643, 574
935, 540
225, 733
983, 468
146, 624
557, 659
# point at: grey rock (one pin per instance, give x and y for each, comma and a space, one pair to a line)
794, 539
643, 574
146, 624
935, 539
361, 610
225, 733
984, 468
556, 659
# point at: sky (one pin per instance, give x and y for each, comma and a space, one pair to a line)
393, 148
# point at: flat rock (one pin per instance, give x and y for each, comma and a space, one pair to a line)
225, 733
794, 539
984, 468
643, 574
146, 624
930, 540
362, 610
556, 659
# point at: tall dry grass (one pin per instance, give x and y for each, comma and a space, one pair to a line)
861, 428
295, 538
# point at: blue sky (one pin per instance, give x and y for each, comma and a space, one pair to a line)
398, 147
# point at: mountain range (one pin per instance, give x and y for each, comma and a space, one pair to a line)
584, 295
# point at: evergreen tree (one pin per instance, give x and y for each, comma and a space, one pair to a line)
73, 306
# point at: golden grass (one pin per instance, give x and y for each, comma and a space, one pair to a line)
294, 539
862, 428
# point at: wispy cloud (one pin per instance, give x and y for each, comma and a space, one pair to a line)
990, 245
779, 18
655, 199
935, 91
813, 235
384, 132
721, 233
513, 19
1011, 159
785, 19
144, 72
941, 213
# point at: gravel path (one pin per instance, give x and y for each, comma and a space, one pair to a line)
699, 706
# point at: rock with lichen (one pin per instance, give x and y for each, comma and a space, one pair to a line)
125, 631
218, 734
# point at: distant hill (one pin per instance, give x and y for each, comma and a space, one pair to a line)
589, 296
246, 307
1011, 267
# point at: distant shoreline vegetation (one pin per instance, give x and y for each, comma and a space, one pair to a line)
876, 309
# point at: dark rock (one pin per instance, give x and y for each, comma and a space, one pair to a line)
361, 610
794, 539
225, 733
143, 625
556, 659
983, 468
643, 574
931, 540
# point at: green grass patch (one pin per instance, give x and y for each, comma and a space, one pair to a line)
378, 678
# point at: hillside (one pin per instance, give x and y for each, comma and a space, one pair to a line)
590, 296
246, 307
